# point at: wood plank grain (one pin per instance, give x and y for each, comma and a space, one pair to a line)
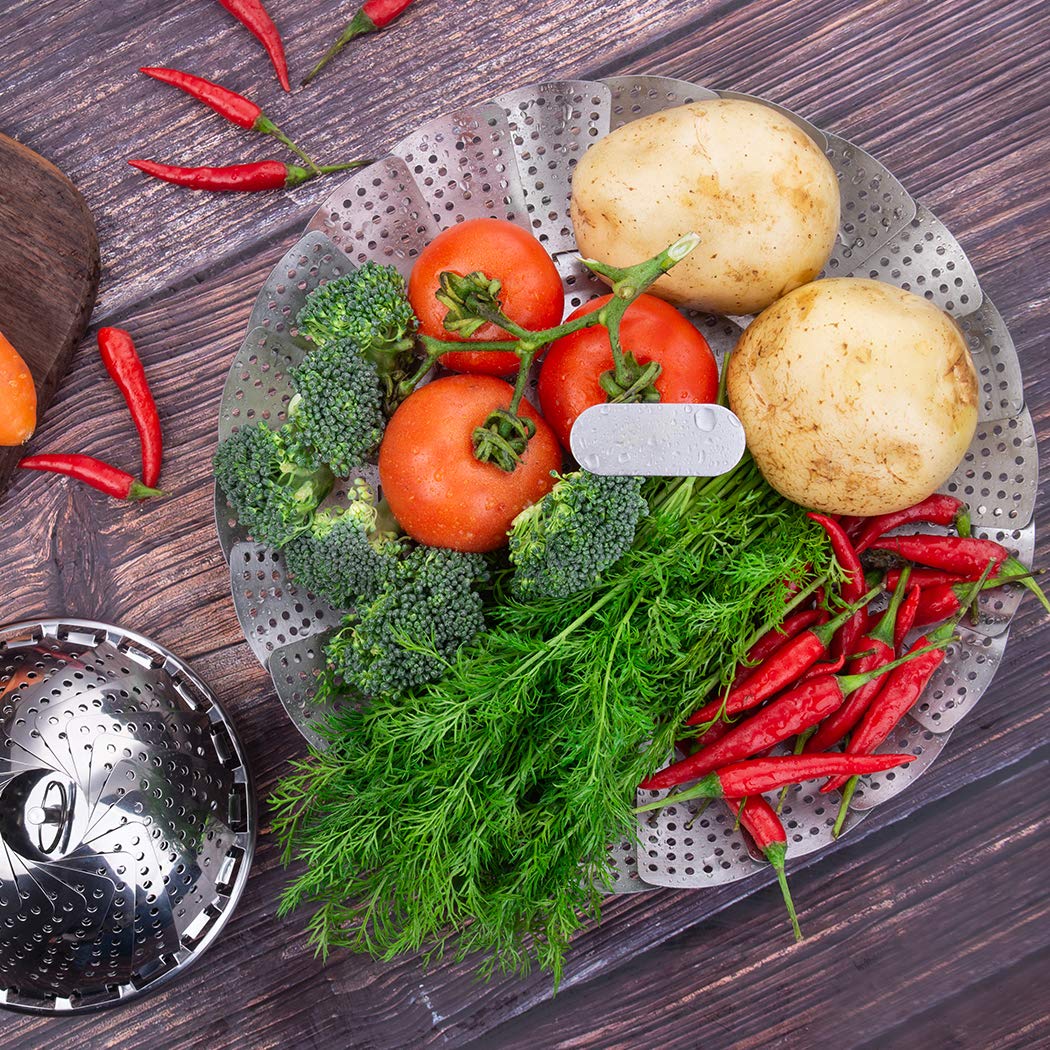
942, 93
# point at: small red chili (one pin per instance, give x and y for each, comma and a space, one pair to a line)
235, 108
853, 585
757, 818
902, 689
94, 472
959, 554
880, 640
906, 617
373, 15
926, 578
789, 714
125, 368
759, 775
259, 175
255, 18
775, 638
935, 510
782, 668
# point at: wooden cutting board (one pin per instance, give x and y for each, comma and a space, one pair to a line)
49, 267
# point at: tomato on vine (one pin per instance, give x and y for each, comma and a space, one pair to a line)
530, 289
437, 488
571, 377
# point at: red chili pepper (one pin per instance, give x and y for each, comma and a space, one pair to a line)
254, 17
756, 816
845, 555
852, 524
775, 638
125, 368
373, 15
260, 175
795, 711
781, 669
902, 689
936, 510
94, 472
906, 617
880, 641
235, 108
759, 775
823, 668
959, 554
926, 578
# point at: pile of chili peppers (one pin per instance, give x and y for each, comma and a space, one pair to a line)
788, 687
125, 368
263, 174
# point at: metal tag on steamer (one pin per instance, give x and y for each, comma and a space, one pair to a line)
658, 440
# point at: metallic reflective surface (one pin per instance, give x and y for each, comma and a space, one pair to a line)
127, 816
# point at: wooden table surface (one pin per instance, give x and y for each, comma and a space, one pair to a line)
927, 927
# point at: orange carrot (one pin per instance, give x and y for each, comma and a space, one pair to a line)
17, 397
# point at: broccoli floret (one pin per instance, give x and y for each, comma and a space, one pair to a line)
337, 410
345, 558
428, 608
272, 489
369, 306
564, 543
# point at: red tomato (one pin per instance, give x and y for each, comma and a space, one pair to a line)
531, 290
439, 492
653, 331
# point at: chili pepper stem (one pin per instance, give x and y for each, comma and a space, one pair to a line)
776, 853
140, 491
357, 26
847, 797
697, 815
267, 127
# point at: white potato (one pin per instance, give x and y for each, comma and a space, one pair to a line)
856, 397
756, 188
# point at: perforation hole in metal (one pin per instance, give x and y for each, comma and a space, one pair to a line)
995, 358
809, 817
956, 686
311, 261
875, 206
998, 477
271, 609
259, 384
682, 848
294, 669
551, 127
379, 214
623, 861
925, 258
463, 163
909, 738
635, 97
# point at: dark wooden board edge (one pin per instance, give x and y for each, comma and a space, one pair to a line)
75, 244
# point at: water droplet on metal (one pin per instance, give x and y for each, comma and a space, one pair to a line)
704, 418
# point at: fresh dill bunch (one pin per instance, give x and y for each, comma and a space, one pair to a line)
480, 807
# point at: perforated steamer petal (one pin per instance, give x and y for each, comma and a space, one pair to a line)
127, 816
513, 158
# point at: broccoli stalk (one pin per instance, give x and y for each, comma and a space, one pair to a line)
370, 309
272, 488
345, 558
427, 610
583, 526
